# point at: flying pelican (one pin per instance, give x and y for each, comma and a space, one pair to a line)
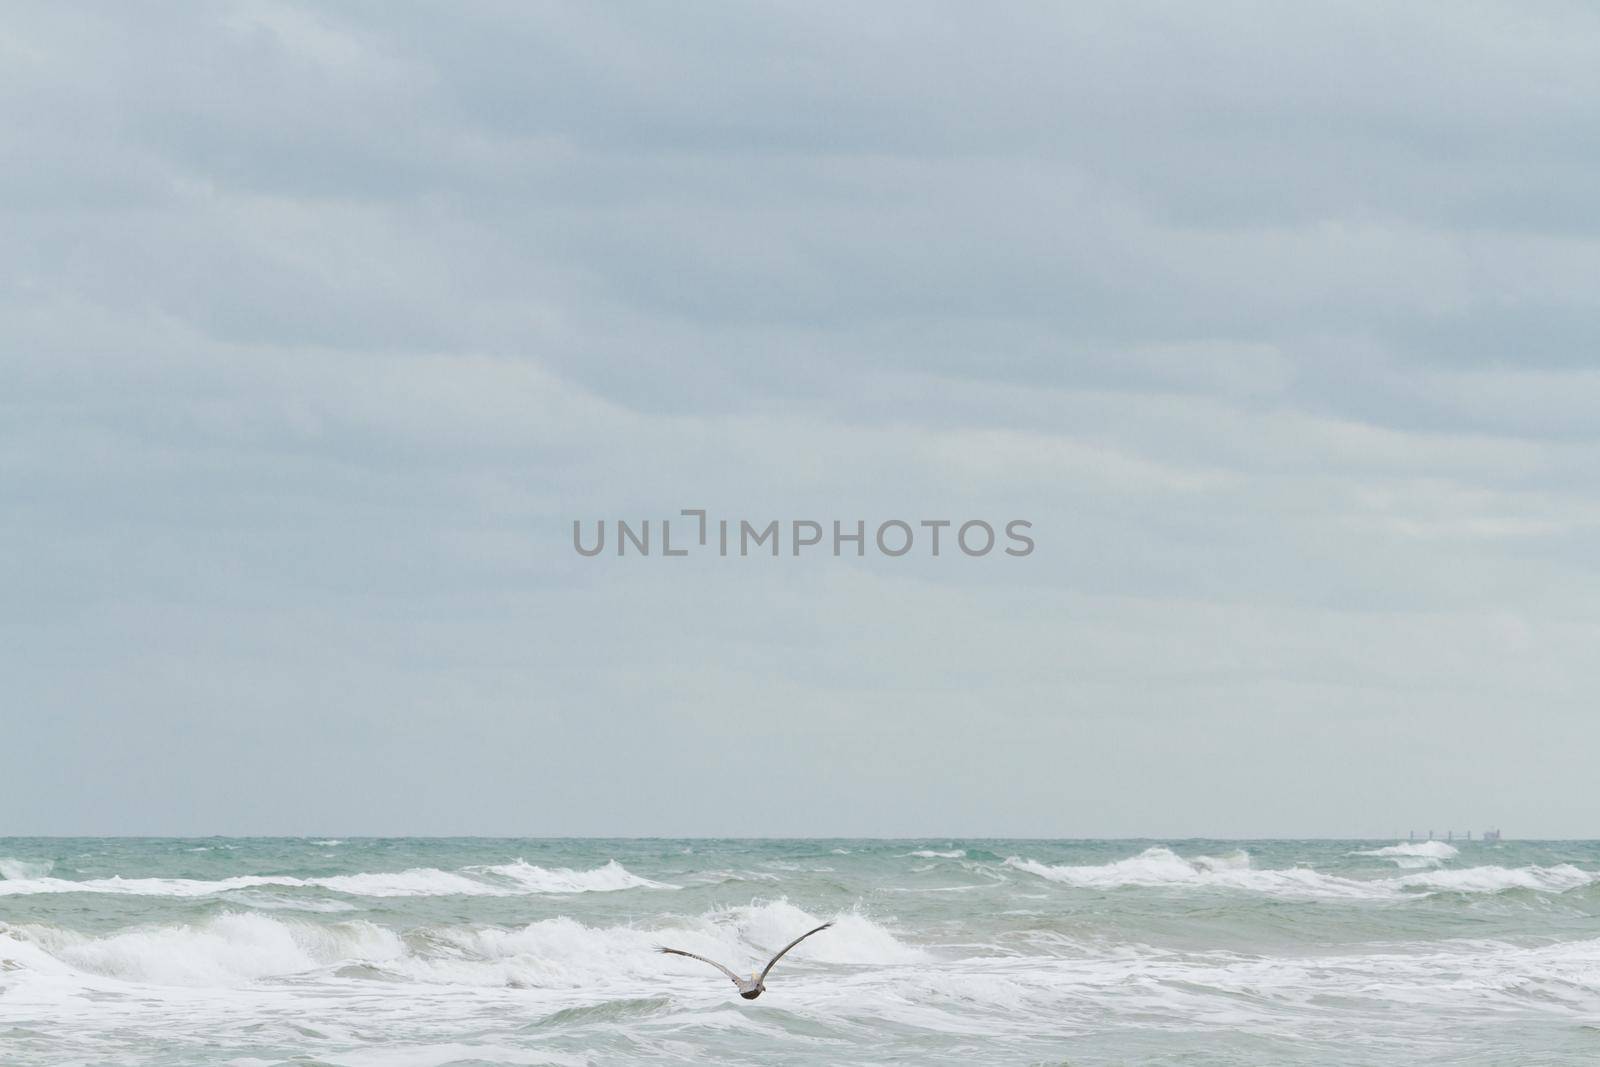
752, 987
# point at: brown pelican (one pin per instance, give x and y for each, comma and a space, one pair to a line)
752, 987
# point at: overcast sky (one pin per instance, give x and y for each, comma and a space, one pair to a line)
320, 324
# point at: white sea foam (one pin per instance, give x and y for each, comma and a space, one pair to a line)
1160, 866
1557, 879
1156, 867
269, 899
1413, 854
19, 870
416, 882
488, 987
229, 949
512, 879
854, 938
564, 953
558, 953
1238, 860
534, 879
930, 854
1438, 850
419, 882
1012, 961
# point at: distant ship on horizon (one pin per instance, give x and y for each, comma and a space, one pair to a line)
1489, 837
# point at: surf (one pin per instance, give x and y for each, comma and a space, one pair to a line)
510, 879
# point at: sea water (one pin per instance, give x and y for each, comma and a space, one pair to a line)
421, 952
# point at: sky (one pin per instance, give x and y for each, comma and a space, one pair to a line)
320, 325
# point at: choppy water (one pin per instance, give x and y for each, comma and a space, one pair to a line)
383, 953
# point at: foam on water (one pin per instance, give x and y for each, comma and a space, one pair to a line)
563, 953
1161, 867
231, 949
1558, 879
504, 880
15, 870
1415, 854
558, 953
1085, 952
534, 879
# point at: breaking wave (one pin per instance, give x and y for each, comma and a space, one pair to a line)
1415, 853
566, 880
230, 949
1558, 879
14, 870
1159, 866
510, 879
559, 953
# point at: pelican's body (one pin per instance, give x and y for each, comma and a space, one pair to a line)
752, 987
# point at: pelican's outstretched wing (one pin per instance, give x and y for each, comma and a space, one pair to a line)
714, 963
774, 961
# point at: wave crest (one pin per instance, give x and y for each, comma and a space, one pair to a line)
512, 879
1153, 867
1414, 853
534, 879
559, 953
15, 870
230, 949
1159, 866
1558, 879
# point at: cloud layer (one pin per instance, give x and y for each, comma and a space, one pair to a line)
319, 326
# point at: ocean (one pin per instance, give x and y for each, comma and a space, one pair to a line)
405, 952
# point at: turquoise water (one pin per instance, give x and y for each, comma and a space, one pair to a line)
402, 952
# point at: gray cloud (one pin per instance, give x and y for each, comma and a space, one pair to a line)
319, 325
